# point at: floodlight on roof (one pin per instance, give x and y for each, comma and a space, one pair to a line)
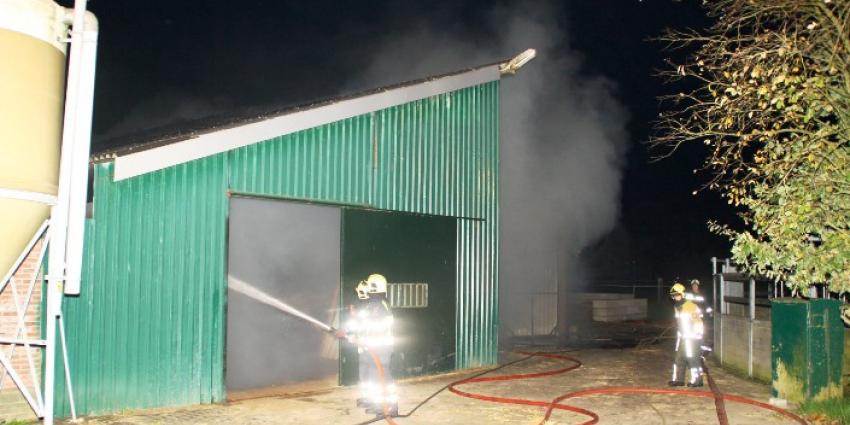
512, 66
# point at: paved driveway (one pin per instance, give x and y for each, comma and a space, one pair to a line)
645, 367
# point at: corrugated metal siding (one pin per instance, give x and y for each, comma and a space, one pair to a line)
147, 329
330, 163
440, 156
433, 156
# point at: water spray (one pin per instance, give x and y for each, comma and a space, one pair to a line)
260, 296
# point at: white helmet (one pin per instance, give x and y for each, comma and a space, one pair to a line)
374, 284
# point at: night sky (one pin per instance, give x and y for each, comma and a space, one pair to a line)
165, 63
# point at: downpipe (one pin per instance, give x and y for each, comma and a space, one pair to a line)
67, 216
78, 124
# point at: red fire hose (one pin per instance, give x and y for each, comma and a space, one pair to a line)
556, 404
547, 404
719, 405
380, 367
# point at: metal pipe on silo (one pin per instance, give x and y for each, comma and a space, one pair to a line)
67, 217
79, 102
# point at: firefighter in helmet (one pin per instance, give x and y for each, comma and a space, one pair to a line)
696, 296
370, 328
688, 339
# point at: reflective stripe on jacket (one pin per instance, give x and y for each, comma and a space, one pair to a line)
689, 318
371, 325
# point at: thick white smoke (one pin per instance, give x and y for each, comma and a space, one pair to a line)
164, 108
563, 143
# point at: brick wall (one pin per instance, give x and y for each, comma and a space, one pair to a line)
12, 404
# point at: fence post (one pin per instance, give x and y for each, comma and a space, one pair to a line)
752, 322
752, 300
722, 299
714, 284
659, 289
532, 319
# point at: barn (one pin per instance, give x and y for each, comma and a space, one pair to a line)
301, 203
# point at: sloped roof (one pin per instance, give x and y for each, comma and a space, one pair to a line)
227, 133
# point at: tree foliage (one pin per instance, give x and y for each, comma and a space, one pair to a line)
770, 98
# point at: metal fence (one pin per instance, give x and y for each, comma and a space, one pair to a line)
742, 323
754, 291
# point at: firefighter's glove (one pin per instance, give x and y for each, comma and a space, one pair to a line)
346, 336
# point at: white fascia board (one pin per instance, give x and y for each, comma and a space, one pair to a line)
204, 145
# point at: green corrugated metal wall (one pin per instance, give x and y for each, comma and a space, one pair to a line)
147, 329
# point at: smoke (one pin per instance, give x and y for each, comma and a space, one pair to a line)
164, 108
563, 141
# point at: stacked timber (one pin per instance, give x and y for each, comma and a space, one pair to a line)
619, 310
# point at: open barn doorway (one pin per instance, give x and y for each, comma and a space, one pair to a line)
290, 251
417, 254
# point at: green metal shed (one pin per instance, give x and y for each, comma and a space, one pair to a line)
148, 328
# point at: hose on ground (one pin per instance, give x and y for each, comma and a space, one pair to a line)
556, 404
445, 387
520, 401
719, 405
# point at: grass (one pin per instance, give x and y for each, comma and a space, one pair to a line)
16, 422
834, 410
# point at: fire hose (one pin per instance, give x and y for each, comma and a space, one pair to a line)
445, 387
380, 367
556, 404
550, 406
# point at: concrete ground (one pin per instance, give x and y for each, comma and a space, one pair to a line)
647, 367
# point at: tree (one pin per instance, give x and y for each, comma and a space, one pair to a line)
769, 95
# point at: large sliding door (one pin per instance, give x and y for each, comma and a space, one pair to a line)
292, 252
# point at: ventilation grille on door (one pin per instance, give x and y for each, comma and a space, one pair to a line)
408, 295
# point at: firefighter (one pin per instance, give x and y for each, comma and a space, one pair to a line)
696, 296
688, 339
370, 328
695, 289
